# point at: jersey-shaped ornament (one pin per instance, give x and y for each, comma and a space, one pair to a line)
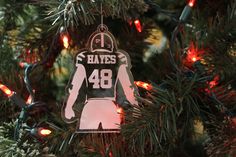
103, 81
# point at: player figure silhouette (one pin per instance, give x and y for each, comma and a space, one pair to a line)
105, 72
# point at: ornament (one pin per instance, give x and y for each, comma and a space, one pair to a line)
101, 84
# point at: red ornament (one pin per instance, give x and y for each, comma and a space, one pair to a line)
138, 25
143, 85
6, 90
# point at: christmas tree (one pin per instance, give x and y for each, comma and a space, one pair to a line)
183, 63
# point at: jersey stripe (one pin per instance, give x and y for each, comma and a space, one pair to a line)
81, 55
80, 59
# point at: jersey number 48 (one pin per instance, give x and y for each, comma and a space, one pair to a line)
101, 78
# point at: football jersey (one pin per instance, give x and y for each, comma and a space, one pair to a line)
101, 72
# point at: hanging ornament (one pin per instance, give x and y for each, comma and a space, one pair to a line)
102, 77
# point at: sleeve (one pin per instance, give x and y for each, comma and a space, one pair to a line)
123, 58
126, 79
76, 83
80, 58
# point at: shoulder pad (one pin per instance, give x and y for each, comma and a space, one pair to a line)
80, 57
122, 58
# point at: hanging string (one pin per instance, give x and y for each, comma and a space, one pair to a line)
101, 12
102, 26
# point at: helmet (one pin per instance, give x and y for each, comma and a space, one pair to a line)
102, 40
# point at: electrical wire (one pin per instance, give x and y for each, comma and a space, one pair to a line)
158, 9
172, 44
30, 67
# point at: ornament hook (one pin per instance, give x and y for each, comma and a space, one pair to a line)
102, 27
